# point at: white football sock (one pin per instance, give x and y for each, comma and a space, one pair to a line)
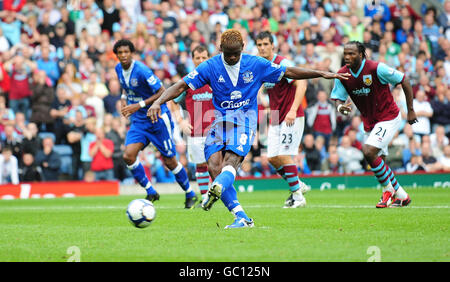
401, 193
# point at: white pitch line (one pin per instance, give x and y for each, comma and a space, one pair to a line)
120, 207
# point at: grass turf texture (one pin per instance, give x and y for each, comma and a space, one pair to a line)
335, 226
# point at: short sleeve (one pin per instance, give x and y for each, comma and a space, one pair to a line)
273, 73
389, 75
287, 63
152, 81
198, 77
339, 92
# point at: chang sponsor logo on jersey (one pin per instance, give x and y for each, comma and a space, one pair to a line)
234, 105
206, 96
361, 92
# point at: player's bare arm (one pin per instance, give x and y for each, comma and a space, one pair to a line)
303, 73
411, 115
299, 95
169, 94
131, 109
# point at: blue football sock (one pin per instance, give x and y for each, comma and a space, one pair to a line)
138, 172
183, 180
229, 198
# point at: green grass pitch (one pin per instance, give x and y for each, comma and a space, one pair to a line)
335, 226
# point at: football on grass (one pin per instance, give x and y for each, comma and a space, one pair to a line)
141, 213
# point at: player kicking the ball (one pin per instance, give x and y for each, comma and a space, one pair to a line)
141, 88
200, 113
235, 79
287, 122
368, 88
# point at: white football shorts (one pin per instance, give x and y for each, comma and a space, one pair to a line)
196, 149
382, 134
285, 140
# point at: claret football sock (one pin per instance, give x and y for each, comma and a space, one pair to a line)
384, 174
202, 176
291, 173
280, 171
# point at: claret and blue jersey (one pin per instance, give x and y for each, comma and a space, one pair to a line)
235, 89
370, 91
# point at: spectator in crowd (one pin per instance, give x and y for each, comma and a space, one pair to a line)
312, 155
20, 71
31, 142
9, 167
445, 159
438, 141
415, 164
48, 160
101, 151
41, 101
58, 110
80, 136
430, 162
394, 158
110, 100
11, 139
441, 108
424, 112
350, 157
321, 117
116, 133
29, 172
412, 149
48, 65
332, 164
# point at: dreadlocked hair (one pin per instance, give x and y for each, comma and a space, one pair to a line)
360, 46
231, 37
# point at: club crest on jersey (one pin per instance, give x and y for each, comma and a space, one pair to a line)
236, 95
367, 79
134, 82
247, 76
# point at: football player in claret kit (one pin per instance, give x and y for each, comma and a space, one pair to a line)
199, 115
235, 79
287, 122
140, 89
368, 88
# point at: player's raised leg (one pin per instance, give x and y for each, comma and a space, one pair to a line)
137, 170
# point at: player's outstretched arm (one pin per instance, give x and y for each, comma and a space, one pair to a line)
171, 93
411, 115
303, 73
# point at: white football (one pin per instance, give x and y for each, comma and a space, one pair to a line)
141, 213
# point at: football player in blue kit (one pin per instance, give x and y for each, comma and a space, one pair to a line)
140, 89
235, 79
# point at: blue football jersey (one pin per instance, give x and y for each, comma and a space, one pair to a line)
141, 85
235, 88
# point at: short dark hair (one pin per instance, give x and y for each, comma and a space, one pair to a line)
124, 42
360, 46
200, 49
264, 34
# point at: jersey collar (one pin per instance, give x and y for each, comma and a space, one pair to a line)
360, 69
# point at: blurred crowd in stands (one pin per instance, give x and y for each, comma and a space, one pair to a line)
59, 110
